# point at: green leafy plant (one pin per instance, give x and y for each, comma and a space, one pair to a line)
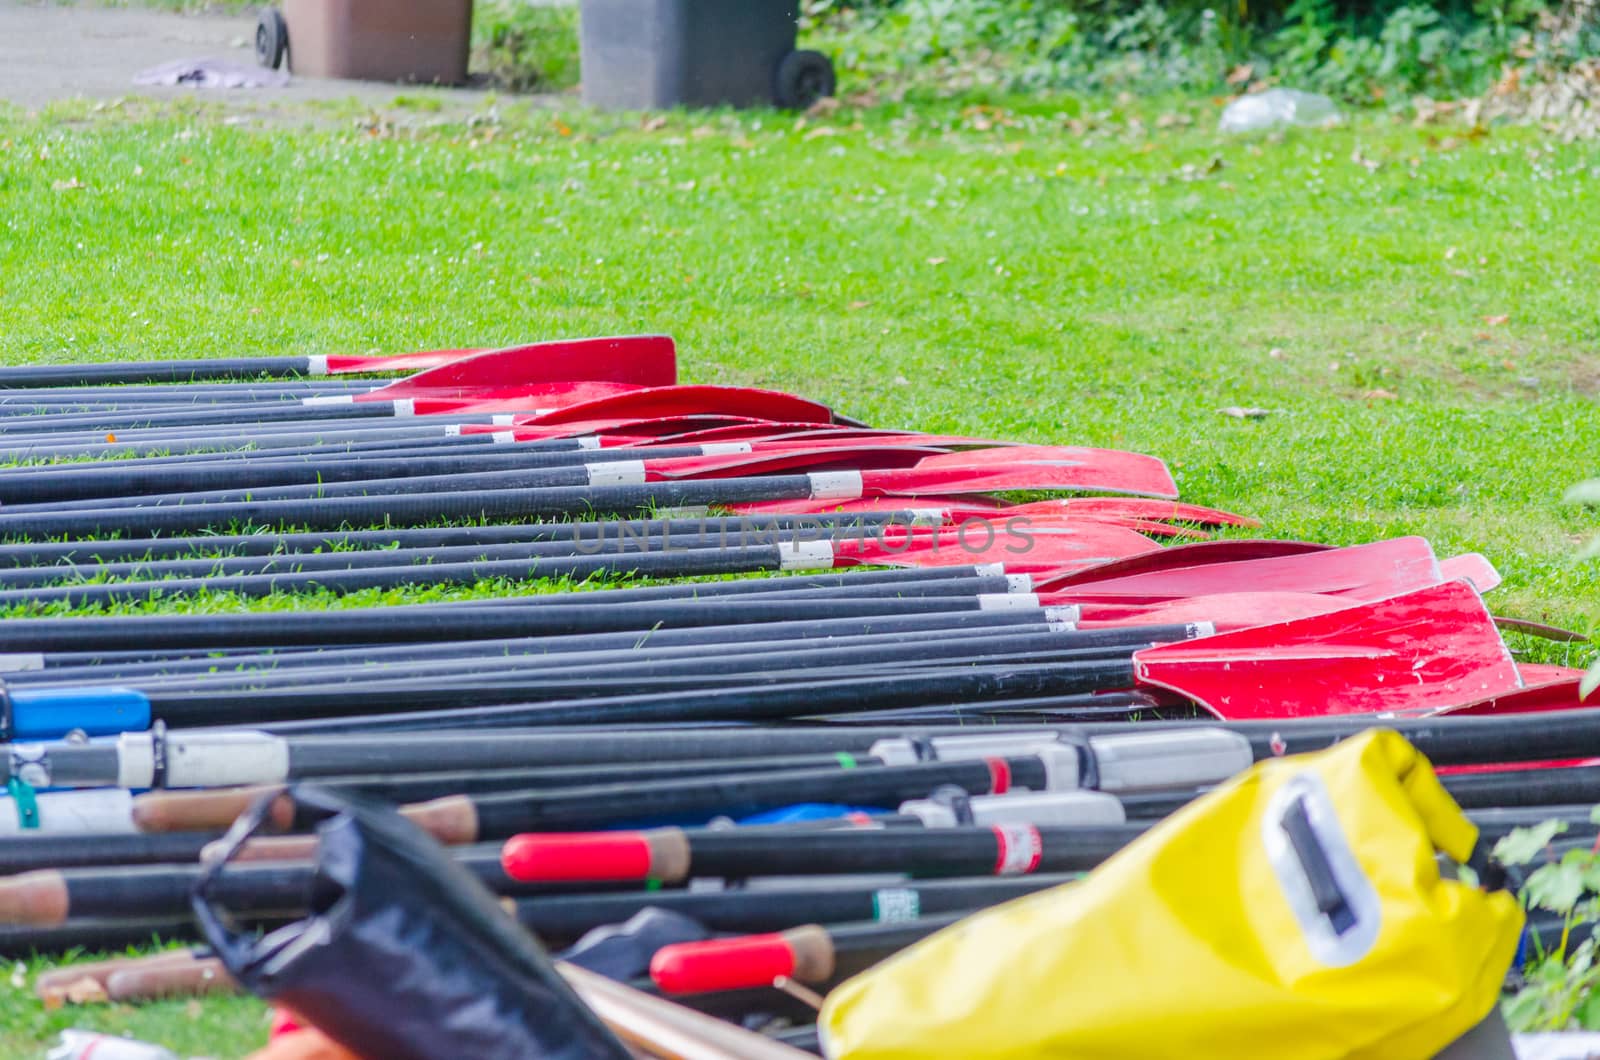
526, 47
1561, 985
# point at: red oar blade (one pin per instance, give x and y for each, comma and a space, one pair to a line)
1137, 508
1021, 551
342, 364
653, 428
690, 401
1544, 688
638, 360
1027, 467
1425, 650
781, 460
1374, 571
1182, 556
1225, 611
519, 401
1472, 567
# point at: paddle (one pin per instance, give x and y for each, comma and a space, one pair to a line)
501, 468
1021, 467
615, 359
1028, 549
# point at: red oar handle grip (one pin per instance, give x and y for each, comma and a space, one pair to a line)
722, 964
585, 856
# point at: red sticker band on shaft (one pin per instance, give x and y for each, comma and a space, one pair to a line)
1019, 849
999, 775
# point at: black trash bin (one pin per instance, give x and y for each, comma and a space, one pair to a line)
650, 54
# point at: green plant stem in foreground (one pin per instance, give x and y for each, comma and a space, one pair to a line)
1049, 270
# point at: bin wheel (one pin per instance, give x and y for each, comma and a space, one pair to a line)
802, 79
272, 38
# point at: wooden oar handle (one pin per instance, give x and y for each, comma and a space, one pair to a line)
205, 811
152, 982
36, 898
452, 820
53, 983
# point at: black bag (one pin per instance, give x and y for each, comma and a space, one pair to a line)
405, 956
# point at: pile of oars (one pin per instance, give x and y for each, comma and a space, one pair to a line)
761, 778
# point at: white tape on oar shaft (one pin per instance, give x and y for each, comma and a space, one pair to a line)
324, 400
617, 473
1019, 583
98, 812
1008, 601
836, 485
405, 407
1153, 761
317, 364
726, 448
203, 760
16, 662
805, 555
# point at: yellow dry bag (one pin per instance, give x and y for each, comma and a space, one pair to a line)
1295, 913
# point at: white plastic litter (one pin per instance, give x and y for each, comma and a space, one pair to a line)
1277, 106
87, 1045
1556, 1045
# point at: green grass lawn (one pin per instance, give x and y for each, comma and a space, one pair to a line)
1416, 307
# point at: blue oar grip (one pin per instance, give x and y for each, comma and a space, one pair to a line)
51, 713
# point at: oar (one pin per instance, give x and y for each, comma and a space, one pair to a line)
724, 530
48, 712
814, 954
1037, 549
1420, 651
1022, 467
505, 468
672, 855
649, 365
561, 919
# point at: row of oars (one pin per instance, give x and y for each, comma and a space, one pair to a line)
698, 788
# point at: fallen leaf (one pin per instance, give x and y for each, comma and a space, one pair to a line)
823, 107
901, 380
859, 305
1379, 395
653, 123
68, 185
1497, 319
1240, 74
1483, 336
1276, 353
1239, 412
820, 132
937, 261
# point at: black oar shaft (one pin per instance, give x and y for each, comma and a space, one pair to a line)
79, 375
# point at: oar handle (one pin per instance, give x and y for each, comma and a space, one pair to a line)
196, 978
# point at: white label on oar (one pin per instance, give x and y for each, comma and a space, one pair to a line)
211, 760
15, 662
325, 400
101, 811
1019, 583
1068, 613
502, 437
618, 473
836, 485
317, 364
589, 443
1020, 849
725, 448
805, 555
405, 407
1007, 601
1153, 761
503, 419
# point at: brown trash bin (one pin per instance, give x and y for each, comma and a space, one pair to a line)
378, 40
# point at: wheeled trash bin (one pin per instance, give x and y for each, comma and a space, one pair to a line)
650, 54
369, 40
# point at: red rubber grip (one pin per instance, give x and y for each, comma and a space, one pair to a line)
722, 964
550, 857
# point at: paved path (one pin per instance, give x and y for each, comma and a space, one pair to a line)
51, 53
